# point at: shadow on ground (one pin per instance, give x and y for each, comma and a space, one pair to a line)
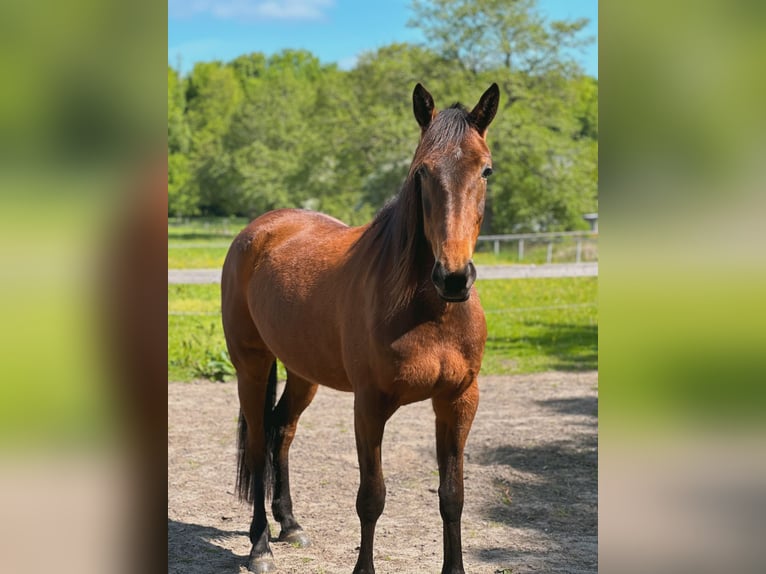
574, 406
550, 487
563, 494
193, 543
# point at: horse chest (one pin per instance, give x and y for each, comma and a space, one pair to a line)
426, 363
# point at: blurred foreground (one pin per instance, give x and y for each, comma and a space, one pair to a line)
83, 291
682, 395
82, 261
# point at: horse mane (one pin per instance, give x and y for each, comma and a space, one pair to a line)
397, 231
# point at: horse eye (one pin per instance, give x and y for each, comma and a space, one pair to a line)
487, 172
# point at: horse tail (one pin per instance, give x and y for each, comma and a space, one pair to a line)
245, 485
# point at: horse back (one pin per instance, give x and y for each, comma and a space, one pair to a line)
282, 272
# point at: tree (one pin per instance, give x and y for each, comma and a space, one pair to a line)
276, 140
179, 133
249, 66
546, 174
586, 107
262, 132
181, 197
213, 95
491, 34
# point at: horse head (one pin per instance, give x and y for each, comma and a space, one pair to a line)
451, 167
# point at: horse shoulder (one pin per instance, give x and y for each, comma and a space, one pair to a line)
435, 356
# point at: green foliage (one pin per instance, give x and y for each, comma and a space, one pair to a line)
215, 366
192, 341
260, 133
179, 133
182, 197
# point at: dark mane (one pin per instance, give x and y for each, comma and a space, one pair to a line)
397, 230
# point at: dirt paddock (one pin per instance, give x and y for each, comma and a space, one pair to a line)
530, 482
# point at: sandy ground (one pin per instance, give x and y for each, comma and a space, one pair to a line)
530, 482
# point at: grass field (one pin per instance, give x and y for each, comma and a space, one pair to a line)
534, 325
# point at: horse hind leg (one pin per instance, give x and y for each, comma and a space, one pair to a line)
257, 379
297, 395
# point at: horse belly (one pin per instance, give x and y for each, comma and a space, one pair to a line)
301, 333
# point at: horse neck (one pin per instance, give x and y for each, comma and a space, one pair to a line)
397, 247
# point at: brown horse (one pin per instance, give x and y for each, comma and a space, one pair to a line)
387, 311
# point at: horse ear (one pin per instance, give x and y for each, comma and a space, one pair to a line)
484, 112
423, 106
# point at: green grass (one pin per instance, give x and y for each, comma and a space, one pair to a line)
196, 345
203, 229
201, 243
540, 324
196, 257
185, 299
534, 325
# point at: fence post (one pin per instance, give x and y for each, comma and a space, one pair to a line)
550, 251
497, 247
521, 249
579, 250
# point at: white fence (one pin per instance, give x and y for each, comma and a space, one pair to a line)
563, 246
553, 247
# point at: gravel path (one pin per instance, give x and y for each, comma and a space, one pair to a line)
482, 271
530, 482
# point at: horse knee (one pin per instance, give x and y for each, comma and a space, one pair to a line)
450, 502
370, 501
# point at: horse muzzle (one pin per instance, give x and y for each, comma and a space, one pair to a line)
454, 286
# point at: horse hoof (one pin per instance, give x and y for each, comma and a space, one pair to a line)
262, 564
296, 537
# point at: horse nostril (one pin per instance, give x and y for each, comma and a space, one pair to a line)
470, 271
438, 275
456, 282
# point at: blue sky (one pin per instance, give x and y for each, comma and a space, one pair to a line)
333, 30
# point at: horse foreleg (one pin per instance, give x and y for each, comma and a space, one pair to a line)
297, 395
453, 421
370, 418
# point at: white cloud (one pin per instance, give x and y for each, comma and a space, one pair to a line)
251, 9
348, 63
